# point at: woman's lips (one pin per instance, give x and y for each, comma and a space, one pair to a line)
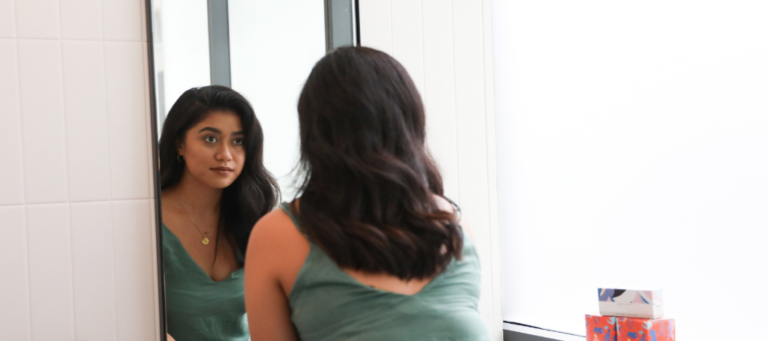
222, 170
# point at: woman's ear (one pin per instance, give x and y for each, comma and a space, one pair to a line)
181, 147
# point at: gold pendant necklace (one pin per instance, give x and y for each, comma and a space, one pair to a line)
205, 239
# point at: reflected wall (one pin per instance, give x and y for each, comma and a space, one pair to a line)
273, 49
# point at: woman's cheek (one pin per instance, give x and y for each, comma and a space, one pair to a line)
241, 162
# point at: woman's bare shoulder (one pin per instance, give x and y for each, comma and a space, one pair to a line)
275, 229
277, 244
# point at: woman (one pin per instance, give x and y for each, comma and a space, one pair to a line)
371, 250
214, 189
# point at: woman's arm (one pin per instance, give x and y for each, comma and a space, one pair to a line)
267, 259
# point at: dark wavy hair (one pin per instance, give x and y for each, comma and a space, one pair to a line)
255, 192
367, 196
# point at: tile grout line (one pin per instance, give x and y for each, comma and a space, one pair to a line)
109, 160
21, 124
77, 202
29, 271
149, 118
23, 170
391, 28
72, 266
106, 100
15, 20
455, 96
114, 265
77, 40
487, 157
66, 169
492, 173
487, 166
424, 69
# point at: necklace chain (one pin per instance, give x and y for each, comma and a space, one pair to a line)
205, 239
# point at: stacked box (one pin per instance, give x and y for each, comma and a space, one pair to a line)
635, 329
631, 303
601, 328
630, 315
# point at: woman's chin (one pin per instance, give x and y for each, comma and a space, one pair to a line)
220, 183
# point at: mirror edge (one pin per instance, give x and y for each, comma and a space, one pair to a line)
160, 288
335, 38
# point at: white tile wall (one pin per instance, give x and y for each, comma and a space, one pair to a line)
407, 24
81, 19
376, 24
12, 172
440, 104
468, 29
124, 20
42, 113
7, 19
93, 276
134, 269
439, 90
37, 19
14, 314
75, 201
85, 108
50, 272
126, 98
446, 48
437, 25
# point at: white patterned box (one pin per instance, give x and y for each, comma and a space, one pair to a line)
631, 303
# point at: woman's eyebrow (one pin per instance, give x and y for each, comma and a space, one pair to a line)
210, 129
216, 131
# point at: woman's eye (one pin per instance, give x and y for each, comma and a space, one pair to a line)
210, 139
239, 142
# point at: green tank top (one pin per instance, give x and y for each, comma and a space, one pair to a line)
328, 304
198, 308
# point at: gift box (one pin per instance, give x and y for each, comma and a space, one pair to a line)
637, 329
631, 303
601, 328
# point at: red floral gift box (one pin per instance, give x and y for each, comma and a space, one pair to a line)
601, 328
636, 329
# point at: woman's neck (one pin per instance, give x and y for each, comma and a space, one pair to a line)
195, 196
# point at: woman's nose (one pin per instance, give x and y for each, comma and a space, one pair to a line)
223, 154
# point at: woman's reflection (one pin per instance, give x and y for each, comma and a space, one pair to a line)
214, 189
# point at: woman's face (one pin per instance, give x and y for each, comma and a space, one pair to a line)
213, 149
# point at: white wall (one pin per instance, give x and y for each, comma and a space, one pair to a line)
181, 47
76, 207
634, 147
446, 48
274, 45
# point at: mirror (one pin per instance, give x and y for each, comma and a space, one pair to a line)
264, 50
